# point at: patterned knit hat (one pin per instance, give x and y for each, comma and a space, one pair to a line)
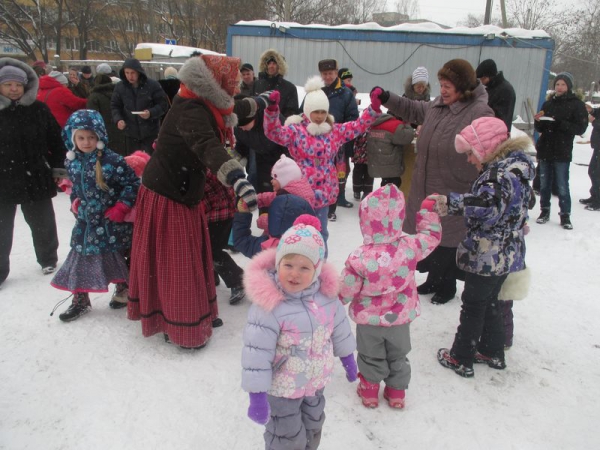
460, 73
285, 170
303, 239
84, 119
482, 137
316, 99
12, 73
420, 75
225, 70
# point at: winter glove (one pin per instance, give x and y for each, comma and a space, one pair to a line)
428, 204
263, 99
375, 100
274, 98
244, 190
242, 207
118, 212
259, 410
350, 367
441, 204
75, 206
384, 96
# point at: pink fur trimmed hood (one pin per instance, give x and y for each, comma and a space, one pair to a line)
262, 290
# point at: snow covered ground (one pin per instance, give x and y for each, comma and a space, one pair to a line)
96, 383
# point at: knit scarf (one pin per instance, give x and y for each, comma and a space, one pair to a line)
225, 132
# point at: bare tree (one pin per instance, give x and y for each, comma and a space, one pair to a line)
408, 7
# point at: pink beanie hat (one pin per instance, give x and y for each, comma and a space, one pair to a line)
286, 170
482, 137
304, 238
137, 161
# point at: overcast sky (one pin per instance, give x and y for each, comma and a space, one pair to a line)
450, 12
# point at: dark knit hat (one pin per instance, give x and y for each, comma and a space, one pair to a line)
344, 73
460, 73
86, 69
567, 78
246, 66
327, 64
487, 68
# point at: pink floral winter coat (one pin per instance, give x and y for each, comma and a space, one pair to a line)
379, 277
290, 340
315, 154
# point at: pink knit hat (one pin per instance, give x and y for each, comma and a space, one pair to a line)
482, 137
137, 161
286, 170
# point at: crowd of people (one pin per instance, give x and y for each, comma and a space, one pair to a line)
163, 177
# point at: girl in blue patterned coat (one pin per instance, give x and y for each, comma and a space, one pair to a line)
104, 191
496, 212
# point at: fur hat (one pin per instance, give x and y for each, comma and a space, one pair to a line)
482, 137
103, 68
137, 161
12, 73
460, 73
316, 99
285, 170
170, 73
327, 64
344, 73
567, 78
59, 76
304, 238
420, 75
486, 68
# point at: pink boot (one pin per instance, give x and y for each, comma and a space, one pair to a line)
395, 397
368, 392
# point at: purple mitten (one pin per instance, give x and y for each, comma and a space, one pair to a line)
259, 410
350, 367
274, 98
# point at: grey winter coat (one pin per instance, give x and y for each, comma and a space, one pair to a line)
385, 149
290, 340
439, 168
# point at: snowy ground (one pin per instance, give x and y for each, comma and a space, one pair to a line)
98, 384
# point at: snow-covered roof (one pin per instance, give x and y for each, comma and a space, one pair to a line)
174, 51
425, 27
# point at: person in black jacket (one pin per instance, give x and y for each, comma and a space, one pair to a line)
501, 94
562, 117
137, 105
272, 70
592, 203
30, 148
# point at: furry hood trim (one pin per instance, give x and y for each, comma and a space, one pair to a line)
261, 289
279, 59
31, 89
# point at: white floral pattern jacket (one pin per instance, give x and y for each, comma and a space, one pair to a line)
290, 340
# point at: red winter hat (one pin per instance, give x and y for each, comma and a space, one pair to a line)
482, 137
137, 161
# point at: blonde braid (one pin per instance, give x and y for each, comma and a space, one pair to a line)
99, 176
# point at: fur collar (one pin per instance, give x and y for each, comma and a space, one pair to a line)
262, 290
199, 79
312, 128
31, 89
510, 145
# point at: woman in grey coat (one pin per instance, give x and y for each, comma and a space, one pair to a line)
439, 169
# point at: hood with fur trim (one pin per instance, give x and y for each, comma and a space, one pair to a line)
31, 88
262, 290
279, 59
198, 78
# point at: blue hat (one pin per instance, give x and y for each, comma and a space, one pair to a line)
84, 119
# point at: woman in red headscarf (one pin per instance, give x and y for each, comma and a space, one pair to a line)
172, 287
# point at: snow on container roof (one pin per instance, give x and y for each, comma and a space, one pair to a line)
173, 51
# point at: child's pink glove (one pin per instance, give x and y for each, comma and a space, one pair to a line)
274, 98
118, 212
259, 410
375, 100
441, 203
428, 204
75, 206
350, 367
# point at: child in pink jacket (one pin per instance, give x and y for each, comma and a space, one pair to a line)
313, 140
379, 280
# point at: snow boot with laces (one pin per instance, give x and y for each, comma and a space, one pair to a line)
447, 360
368, 392
494, 363
81, 305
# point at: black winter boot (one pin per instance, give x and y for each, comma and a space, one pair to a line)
544, 216
565, 222
80, 306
